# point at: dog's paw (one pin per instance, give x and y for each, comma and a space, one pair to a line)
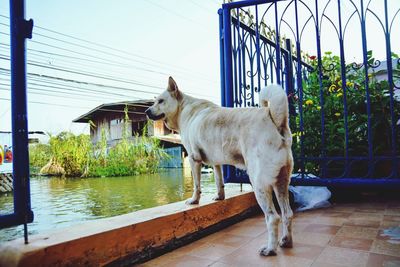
219, 197
286, 242
265, 251
192, 201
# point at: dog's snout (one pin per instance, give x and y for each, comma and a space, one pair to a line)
148, 112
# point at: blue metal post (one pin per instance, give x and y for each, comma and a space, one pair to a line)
278, 48
366, 84
227, 47
20, 30
395, 161
227, 56
321, 92
300, 90
343, 77
221, 56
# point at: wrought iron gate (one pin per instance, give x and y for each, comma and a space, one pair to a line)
343, 100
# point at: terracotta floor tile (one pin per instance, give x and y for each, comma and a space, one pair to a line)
211, 251
346, 234
382, 260
187, 260
392, 211
244, 257
385, 247
336, 214
228, 240
370, 210
221, 264
304, 251
371, 205
322, 229
387, 224
362, 223
391, 218
325, 264
298, 227
358, 232
260, 221
163, 259
251, 231
329, 221
189, 247
345, 257
340, 208
312, 238
366, 216
303, 220
350, 242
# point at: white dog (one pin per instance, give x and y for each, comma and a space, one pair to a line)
257, 140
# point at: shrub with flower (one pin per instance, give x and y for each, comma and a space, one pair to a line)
325, 104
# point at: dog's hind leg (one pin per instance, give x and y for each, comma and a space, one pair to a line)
263, 195
282, 195
195, 165
219, 183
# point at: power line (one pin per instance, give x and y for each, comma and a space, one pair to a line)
177, 14
39, 91
87, 55
49, 104
31, 86
201, 6
187, 71
73, 81
73, 71
85, 60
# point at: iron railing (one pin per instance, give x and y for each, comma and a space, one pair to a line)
343, 110
20, 30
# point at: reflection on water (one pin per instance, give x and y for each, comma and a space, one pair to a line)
58, 202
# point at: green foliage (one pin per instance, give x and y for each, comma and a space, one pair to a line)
128, 157
39, 155
329, 100
78, 157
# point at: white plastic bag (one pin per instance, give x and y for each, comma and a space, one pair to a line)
310, 197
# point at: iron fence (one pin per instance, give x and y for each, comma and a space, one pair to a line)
20, 30
335, 60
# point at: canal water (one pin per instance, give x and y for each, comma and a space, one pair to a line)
61, 202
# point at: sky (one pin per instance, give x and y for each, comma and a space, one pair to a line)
86, 53
159, 39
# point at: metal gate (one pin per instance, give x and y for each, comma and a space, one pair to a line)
339, 64
20, 30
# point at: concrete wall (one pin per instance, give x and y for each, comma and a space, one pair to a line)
128, 239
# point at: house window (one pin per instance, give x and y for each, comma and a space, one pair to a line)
116, 122
137, 127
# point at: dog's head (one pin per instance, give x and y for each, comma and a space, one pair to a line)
166, 104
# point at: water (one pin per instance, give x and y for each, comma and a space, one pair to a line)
59, 203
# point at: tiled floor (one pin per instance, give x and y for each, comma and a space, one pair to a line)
343, 235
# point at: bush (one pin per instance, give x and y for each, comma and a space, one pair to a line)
334, 119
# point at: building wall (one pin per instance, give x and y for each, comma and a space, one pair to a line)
112, 123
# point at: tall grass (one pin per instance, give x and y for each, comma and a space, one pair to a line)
79, 157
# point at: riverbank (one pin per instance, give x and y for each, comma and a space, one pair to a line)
62, 202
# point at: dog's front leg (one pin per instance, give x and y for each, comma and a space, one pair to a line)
219, 183
195, 165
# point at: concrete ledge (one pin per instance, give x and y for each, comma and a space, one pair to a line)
129, 238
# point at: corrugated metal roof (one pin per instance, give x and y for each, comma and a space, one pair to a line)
134, 107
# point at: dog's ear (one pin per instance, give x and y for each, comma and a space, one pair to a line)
173, 88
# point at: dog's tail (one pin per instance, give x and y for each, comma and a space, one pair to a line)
274, 97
